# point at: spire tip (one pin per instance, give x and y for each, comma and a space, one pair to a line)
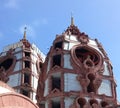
25, 28
72, 19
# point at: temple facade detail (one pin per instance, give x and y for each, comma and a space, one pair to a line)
77, 73
20, 65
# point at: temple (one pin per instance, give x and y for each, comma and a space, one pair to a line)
76, 72
20, 65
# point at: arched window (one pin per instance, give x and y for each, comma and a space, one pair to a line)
81, 102
104, 104
6, 64
58, 45
56, 60
93, 102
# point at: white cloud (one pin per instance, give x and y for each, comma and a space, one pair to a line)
12, 4
44, 21
30, 32
39, 22
36, 23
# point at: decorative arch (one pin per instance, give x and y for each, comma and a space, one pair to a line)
94, 103
7, 64
86, 57
104, 104
81, 102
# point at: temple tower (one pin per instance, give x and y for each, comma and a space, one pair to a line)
20, 65
77, 73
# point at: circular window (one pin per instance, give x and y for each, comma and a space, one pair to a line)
86, 56
83, 53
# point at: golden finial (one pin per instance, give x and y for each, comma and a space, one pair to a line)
72, 19
25, 33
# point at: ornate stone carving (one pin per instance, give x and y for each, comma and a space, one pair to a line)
87, 58
83, 82
101, 49
88, 63
73, 30
94, 83
83, 38
3, 75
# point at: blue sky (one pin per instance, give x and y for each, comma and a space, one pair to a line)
45, 18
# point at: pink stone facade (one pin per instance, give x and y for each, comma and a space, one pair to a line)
77, 73
11, 99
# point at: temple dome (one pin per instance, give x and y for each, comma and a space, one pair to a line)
10, 99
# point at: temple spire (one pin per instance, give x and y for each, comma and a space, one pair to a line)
72, 20
24, 36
